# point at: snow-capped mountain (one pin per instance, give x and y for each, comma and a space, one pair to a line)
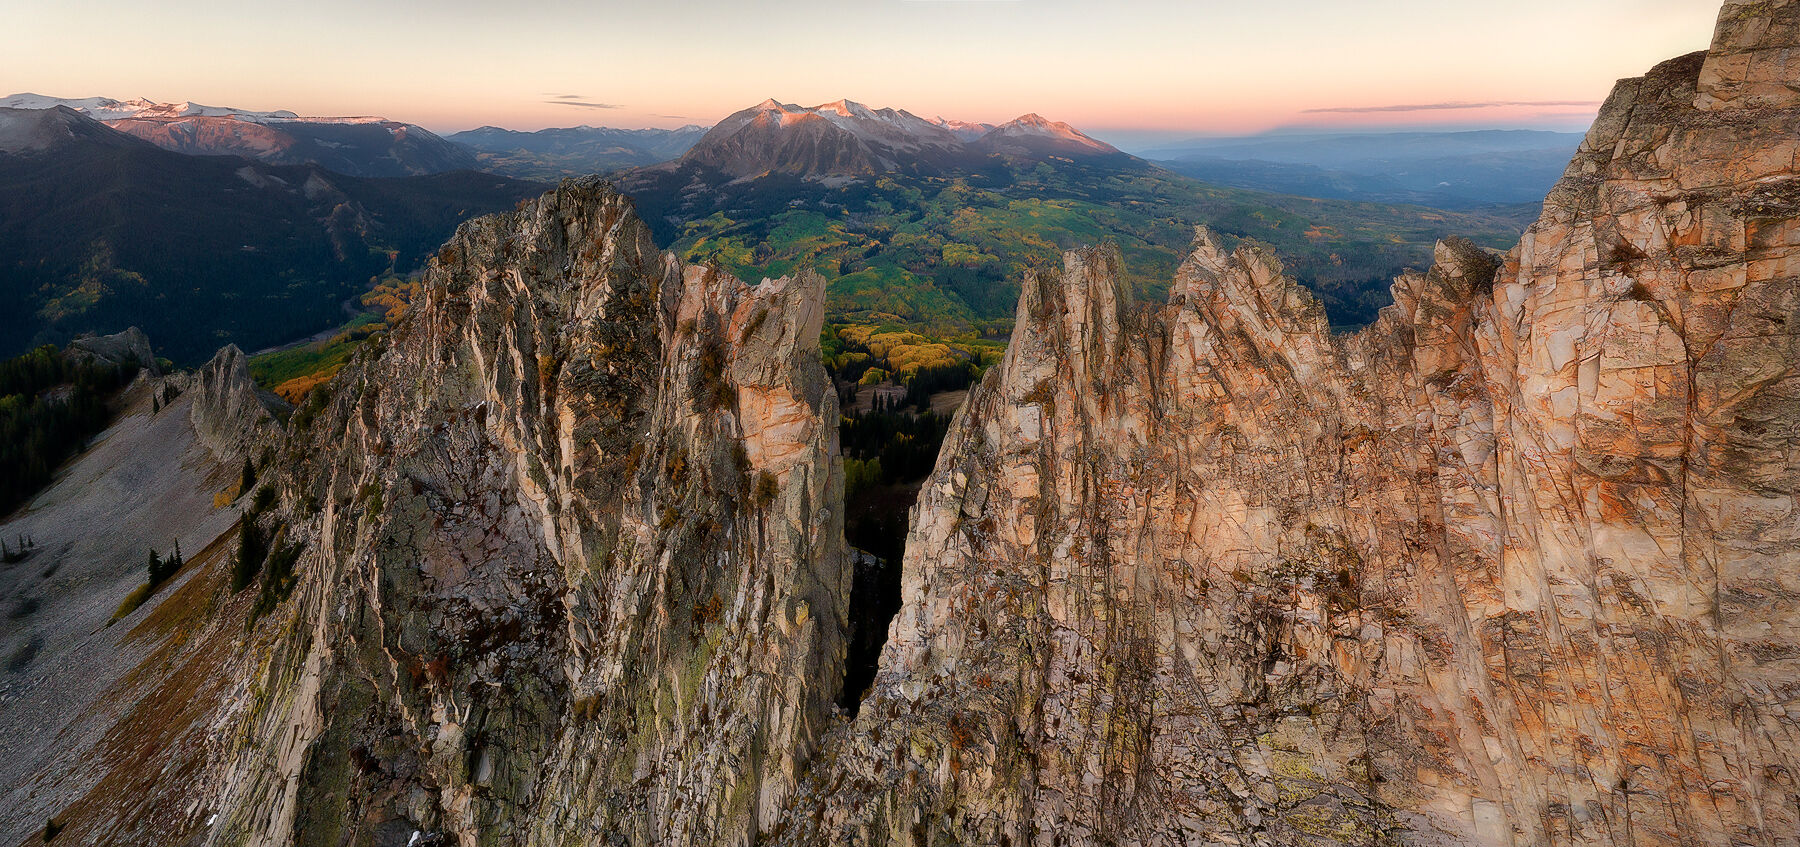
965, 130
26, 131
1035, 135
357, 145
846, 138
898, 129
108, 109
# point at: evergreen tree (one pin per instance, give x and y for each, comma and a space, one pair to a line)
251, 552
247, 478
158, 571
39, 427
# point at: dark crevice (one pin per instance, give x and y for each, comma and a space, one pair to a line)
874, 600
888, 452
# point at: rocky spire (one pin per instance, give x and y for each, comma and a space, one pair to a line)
573, 558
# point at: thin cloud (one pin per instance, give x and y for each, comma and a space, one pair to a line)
578, 101
1434, 107
672, 117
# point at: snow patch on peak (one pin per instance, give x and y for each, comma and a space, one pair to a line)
98, 108
109, 109
965, 130
1036, 125
845, 108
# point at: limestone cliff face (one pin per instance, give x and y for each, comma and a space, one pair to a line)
573, 566
1519, 564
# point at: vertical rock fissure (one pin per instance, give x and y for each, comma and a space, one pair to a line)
874, 600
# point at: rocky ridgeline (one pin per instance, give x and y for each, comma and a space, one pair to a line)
1515, 565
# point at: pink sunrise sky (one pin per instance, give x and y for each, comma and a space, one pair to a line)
1143, 67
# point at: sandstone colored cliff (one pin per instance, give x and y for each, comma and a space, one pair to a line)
1515, 565
573, 565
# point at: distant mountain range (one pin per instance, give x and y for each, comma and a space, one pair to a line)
101, 230
1451, 170
357, 146
574, 151
848, 139
834, 140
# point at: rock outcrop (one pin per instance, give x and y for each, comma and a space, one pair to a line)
1515, 565
573, 565
131, 347
229, 415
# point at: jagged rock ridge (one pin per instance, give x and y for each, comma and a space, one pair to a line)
574, 564
1515, 565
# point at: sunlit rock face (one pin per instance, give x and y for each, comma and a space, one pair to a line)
1518, 564
574, 569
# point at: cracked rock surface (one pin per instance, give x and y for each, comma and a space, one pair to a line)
574, 565
1518, 564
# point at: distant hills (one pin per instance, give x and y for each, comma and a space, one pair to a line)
574, 151
1451, 170
357, 146
100, 230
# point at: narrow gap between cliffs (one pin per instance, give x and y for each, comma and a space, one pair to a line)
891, 427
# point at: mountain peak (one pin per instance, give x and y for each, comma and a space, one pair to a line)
845, 108
847, 138
1035, 133
33, 130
